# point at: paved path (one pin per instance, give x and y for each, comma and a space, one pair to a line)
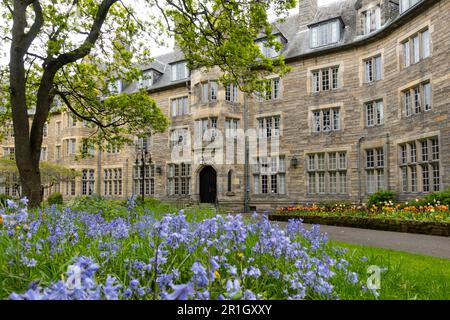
410, 242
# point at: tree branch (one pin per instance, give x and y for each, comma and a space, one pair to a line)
36, 26
84, 49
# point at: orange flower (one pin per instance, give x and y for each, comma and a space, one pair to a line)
1, 220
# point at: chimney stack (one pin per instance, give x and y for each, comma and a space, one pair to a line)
307, 10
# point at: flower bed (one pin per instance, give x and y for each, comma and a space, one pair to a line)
62, 253
425, 219
407, 211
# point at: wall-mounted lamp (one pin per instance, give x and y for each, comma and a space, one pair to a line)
294, 162
158, 170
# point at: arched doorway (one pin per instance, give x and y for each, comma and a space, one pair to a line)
208, 185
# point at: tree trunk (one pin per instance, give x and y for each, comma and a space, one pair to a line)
30, 180
27, 154
28, 141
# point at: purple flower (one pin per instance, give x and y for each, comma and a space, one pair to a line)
134, 283
233, 287
110, 289
181, 292
200, 277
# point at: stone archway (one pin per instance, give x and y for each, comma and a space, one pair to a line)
208, 185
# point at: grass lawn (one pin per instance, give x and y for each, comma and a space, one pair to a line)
408, 276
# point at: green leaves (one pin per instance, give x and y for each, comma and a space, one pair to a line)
222, 33
50, 173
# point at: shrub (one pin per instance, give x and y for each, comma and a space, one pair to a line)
55, 198
379, 198
442, 197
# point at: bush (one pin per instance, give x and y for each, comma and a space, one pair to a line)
442, 197
379, 198
55, 198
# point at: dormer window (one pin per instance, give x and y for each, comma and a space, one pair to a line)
266, 50
179, 70
371, 20
325, 33
115, 86
146, 80
406, 4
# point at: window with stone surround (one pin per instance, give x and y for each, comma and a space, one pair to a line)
416, 48
374, 111
419, 165
71, 146
179, 106
58, 128
417, 99
375, 170
144, 181
325, 79
71, 120
269, 175
179, 137
44, 154
231, 127
271, 90
231, 93
70, 187
178, 179
372, 69
206, 129
269, 127
326, 120
45, 130
112, 182
208, 92
87, 181
327, 173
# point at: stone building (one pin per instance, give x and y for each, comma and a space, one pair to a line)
364, 108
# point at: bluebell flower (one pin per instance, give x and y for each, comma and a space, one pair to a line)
134, 283
200, 277
127, 293
181, 292
110, 289
233, 287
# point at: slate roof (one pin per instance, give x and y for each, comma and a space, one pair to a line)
298, 41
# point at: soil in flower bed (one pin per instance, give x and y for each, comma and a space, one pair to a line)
377, 223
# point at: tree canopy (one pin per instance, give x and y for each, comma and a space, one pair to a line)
223, 34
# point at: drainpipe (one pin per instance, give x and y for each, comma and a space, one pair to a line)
99, 172
358, 163
388, 149
247, 163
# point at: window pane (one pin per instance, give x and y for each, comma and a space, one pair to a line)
427, 96
335, 36
406, 54
380, 112
416, 49
316, 82
377, 62
425, 44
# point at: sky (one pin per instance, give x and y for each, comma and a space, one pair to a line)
158, 50
161, 50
